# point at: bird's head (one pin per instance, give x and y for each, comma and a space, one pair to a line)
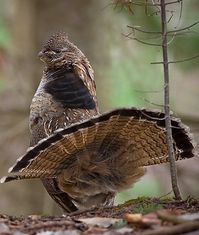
58, 51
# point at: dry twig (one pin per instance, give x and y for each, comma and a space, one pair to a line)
173, 169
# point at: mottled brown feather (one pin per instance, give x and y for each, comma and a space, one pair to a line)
84, 158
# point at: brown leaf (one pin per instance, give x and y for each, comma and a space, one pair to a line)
133, 218
142, 220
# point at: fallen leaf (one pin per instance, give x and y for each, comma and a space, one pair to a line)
133, 218
100, 221
190, 217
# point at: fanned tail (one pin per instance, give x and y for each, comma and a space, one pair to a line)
119, 142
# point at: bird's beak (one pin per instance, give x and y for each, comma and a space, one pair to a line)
40, 54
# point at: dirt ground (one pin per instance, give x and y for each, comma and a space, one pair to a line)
146, 216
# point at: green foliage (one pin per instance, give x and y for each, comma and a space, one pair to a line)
143, 188
131, 75
147, 208
144, 205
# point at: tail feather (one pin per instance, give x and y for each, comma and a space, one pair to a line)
117, 139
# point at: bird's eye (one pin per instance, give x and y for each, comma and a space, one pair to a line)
57, 51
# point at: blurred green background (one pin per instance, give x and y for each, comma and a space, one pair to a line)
123, 73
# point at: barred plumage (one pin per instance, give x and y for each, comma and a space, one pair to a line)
82, 157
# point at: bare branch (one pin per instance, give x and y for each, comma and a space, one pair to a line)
155, 104
177, 26
161, 7
142, 31
170, 17
184, 60
180, 16
171, 156
144, 91
169, 3
183, 33
182, 29
146, 43
143, 42
178, 61
154, 118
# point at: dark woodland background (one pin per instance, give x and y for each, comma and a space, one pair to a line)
123, 74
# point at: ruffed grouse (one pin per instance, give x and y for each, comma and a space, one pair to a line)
82, 157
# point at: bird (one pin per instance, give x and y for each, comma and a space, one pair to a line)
84, 158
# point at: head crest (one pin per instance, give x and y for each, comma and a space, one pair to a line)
57, 41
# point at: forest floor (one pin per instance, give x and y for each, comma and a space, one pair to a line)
141, 216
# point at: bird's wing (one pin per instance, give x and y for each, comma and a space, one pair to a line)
118, 141
69, 87
86, 73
